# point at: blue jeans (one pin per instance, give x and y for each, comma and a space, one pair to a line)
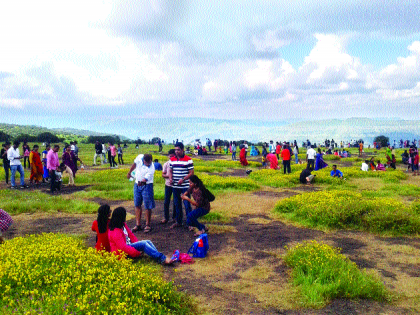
296, 158
19, 169
234, 156
177, 204
168, 195
149, 249
194, 215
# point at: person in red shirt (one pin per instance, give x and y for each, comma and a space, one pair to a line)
100, 226
278, 150
416, 164
285, 155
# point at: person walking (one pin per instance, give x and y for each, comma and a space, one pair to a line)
285, 155
6, 162
98, 152
14, 158
53, 167
233, 151
120, 155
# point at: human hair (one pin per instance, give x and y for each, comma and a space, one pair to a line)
197, 182
66, 146
335, 165
179, 145
47, 146
319, 150
285, 147
156, 161
56, 146
36, 146
62, 166
171, 151
102, 219
16, 143
147, 157
118, 218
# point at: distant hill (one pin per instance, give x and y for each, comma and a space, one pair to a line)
15, 130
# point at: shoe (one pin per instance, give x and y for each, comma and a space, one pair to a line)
147, 229
137, 228
12, 187
175, 256
164, 221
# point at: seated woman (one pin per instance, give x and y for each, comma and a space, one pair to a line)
272, 160
253, 151
379, 166
202, 198
100, 226
371, 163
5, 222
122, 240
405, 157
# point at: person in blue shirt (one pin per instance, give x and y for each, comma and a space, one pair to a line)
336, 173
158, 166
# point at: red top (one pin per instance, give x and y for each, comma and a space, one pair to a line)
285, 154
102, 242
278, 149
119, 244
416, 160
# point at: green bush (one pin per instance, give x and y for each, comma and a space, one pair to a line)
57, 274
344, 209
322, 274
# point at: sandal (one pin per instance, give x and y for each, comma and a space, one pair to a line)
147, 229
137, 228
191, 228
164, 221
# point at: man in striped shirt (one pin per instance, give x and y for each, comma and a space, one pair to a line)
181, 169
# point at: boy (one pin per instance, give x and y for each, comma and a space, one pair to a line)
336, 173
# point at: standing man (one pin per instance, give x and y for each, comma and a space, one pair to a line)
98, 152
14, 158
143, 189
168, 189
181, 169
361, 148
310, 158
285, 155
6, 162
53, 165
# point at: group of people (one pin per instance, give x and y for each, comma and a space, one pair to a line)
110, 151
180, 182
44, 168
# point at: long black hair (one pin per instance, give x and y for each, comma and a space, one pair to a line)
118, 218
103, 214
207, 195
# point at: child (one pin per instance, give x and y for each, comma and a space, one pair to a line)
122, 240
416, 164
67, 169
202, 198
58, 179
5, 222
100, 226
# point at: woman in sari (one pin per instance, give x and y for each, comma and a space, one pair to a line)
272, 160
242, 156
37, 170
319, 162
46, 174
69, 159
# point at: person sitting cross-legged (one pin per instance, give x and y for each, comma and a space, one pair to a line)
336, 173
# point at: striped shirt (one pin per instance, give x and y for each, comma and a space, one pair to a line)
180, 169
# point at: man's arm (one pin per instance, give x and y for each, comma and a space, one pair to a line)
131, 169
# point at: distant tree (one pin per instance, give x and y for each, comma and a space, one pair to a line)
4, 136
47, 137
382, 140
103, 139
25, 137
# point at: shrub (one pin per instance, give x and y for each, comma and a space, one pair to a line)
213, 182
347, 209
323, 274
57, 274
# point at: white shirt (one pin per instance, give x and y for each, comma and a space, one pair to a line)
143, 171
311, 154
295, 151
365, 167
13, 156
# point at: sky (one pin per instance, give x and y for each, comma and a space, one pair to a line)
85, 64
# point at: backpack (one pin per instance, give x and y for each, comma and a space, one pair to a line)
200, 246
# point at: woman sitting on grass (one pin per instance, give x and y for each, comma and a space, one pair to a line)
379, 166
100, 226
202, 198
122, 240
5, 222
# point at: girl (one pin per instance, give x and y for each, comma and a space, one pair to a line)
319, 162
120, 155
100, 226
121, 239
69, 159
26, 151
46, 175
202, 198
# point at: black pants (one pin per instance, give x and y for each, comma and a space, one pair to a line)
26, 158
286, 166
120, 159
6, 171
112, 161
311, 163
53, 184
168, 195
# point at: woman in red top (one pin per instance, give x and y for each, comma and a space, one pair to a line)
100, 226
242, 156
122, 240
36, 166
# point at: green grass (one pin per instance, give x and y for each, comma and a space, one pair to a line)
215, 217
34, 201
322, 274
345, 209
